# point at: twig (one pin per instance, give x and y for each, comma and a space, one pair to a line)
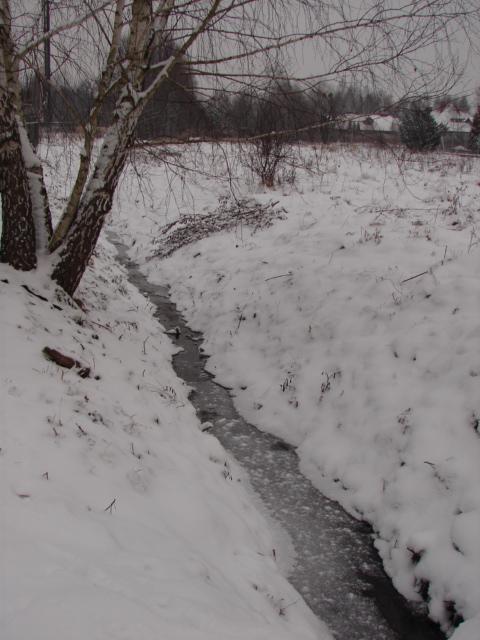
137, 455
77, 340
81, 429
290, 604
111, 505
282, 275
473, 236
424, 273
241, 318
103, 326
32, 293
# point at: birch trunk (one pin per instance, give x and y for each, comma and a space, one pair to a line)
26, 220
83, 234
18, 242
87, 221
90, 132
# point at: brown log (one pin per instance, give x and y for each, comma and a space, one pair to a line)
66, 361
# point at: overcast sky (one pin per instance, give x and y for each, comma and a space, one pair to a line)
458, 50
413, 74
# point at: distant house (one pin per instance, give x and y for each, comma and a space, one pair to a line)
384, 127
456, 119
380, 122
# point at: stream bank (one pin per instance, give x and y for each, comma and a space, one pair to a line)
337, 570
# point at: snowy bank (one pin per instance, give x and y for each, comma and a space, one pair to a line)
117, 518
350, 328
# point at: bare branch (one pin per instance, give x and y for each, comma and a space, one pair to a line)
34, 44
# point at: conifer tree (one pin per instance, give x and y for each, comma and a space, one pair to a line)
418, 129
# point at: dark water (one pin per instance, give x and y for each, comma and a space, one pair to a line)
337, 569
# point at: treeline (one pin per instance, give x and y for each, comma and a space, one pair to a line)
173, 111
180, 110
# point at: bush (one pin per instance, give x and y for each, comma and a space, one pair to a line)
274, 114
419, 131
266, 155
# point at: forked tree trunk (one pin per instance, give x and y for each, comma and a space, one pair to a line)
96, 203
79, 244
91, 131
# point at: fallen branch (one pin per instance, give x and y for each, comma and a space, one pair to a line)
37, 295
229, 215
32, 293
282, 275
66, 361
424, 273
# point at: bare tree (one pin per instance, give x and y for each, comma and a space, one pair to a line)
268, 120
225, 43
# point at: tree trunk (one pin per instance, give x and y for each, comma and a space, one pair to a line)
79, 244
18, 243
95, 204
90, 131
82, 238
26, 220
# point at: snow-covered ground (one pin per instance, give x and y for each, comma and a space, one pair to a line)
350, 328
117, 519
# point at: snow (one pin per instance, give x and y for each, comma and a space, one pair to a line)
350, 328
117, 520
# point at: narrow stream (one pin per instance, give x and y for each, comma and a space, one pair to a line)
337, 569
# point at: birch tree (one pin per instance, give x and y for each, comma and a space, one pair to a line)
227, 44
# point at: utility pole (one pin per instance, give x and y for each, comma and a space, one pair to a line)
47, 96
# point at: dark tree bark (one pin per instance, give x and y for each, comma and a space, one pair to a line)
26, 221
82, 238
96, 203
79, 243
18, 244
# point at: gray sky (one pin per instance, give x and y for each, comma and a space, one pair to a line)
412, 74
457, 52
